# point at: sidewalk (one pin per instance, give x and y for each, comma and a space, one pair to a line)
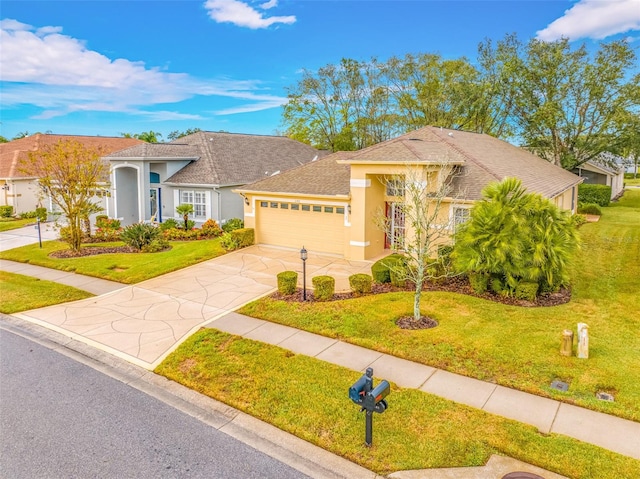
549, 416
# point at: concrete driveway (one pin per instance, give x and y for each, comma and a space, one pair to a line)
26, 235
145, 322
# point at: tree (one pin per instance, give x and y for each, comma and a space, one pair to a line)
73, 176
3, 139
427, 226
514, 236
148, 136
185, 209
175, 134
567, 106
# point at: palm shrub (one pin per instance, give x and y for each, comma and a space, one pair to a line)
515, 236
139, 235
184, 210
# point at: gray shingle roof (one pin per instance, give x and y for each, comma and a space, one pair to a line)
322, 177
483, 159
226, 158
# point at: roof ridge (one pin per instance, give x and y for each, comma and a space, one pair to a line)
468, 156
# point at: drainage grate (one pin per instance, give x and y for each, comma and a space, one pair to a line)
559, 385
604, 396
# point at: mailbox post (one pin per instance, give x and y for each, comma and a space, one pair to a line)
370, 399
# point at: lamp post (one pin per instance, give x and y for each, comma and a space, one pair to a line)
303, 257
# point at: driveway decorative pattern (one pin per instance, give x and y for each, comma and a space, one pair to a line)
145, 322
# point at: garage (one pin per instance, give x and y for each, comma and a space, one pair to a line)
317, 227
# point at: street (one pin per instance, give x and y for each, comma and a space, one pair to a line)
62, 419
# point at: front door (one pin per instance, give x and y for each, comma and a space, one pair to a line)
394, 236
154, 202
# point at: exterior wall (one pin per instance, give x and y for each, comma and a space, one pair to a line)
232, 204
567, 200
22, 194
125, 197
594, 175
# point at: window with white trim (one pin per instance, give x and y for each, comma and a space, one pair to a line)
196, 198
460, 216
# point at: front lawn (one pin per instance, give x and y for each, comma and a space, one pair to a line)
513, 346
309, 398
21, 293
7, 224
126, 268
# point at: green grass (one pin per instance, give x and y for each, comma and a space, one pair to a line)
21, 293
513, 346
308, 398
7, 224
126, 268
632, 181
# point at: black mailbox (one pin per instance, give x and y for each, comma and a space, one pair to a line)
371, 399
374, 400
359, 390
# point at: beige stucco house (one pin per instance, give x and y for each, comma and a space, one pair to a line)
333, 204
597, 172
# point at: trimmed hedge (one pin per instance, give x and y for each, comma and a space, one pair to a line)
598, 194
287, 282
380, 270
232, 224
6, 211
244, 236
360, 283
589, 209
324, 287
527, 290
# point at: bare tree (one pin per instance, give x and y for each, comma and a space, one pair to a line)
424, 197
72, 176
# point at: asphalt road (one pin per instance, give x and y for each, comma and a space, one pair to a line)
62, 419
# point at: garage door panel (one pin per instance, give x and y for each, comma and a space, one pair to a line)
316, 230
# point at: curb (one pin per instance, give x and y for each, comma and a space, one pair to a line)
287, 448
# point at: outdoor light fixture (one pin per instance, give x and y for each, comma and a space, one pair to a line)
5, 187
303, 257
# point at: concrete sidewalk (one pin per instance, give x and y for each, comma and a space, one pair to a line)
549, 416
92, 285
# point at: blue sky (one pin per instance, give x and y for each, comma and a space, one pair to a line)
88, 67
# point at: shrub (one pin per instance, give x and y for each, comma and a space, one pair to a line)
211, 229
479, 282
100, 219
527, 290
324, 287
598, 194
139, 235
232, 224
381, 269
589, 209
360, 283
6, 211
499, 287
27, 214
229, 242
190, 225
155, 246
244, 236
42, 214
287, 282
579, 220
169, 223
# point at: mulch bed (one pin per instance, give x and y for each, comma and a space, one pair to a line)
92, 251
452, 285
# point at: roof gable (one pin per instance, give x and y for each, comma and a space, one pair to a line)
14, 152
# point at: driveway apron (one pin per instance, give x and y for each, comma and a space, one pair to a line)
143, 323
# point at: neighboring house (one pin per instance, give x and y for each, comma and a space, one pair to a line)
149, 180
21, 191
609, 173
331, 205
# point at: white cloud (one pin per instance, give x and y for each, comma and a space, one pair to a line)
59, 74
596, 19
243, 15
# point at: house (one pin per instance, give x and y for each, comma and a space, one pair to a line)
607, 171
149, 180
21, 191
331, 205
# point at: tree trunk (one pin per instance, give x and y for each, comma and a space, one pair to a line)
416, 301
